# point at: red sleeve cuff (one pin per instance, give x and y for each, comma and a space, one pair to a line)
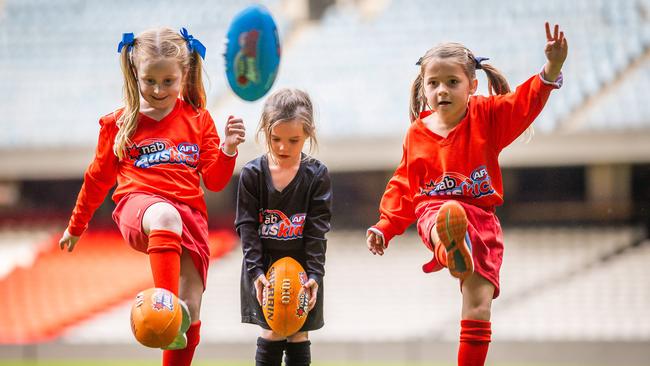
76, 231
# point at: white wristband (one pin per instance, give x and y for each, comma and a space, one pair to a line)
223, 149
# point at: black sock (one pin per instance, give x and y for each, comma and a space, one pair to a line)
269, 353
298, 354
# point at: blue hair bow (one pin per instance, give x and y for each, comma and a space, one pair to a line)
127, 40
478, 60
193, 44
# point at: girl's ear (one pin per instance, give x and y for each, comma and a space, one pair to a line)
473, 86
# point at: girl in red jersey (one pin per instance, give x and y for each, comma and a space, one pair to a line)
157, 148
449, 178
284, 209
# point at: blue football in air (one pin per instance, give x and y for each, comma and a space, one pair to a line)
252, 52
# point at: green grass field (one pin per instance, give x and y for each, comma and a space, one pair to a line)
132, 363
220, 363
198, 363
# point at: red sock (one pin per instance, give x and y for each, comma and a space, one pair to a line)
165, 259
475, 336
183, 357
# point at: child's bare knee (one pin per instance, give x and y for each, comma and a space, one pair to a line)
271, 335
162, 216
298, 337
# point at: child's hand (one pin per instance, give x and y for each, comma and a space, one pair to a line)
262, 286
556, 51
69, 240
235, 135
375, 243
312, 287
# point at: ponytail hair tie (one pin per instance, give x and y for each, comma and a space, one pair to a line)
193, 44
419, 62
478, 60
128, 39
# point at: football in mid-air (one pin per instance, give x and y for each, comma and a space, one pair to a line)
252, 53
285, 305
156, 317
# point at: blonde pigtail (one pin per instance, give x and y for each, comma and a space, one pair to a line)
128, 121
193, 90
416, 103
497, 83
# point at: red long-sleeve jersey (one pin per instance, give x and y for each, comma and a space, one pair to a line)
464, 165
166, 157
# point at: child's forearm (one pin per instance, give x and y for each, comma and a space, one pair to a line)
552, 71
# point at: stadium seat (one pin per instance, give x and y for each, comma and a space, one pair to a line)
61, 289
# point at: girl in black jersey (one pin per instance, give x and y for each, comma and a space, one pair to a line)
283, 209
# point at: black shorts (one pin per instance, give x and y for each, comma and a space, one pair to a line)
251, 311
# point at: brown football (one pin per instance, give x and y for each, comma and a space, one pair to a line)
286, 302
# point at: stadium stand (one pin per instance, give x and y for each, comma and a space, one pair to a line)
622, 105
19, 247
57, 291
381, 49
344, 57
62, 58
359, 70
604, 301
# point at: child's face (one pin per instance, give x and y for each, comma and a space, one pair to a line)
287, 140
160, 82
447, 88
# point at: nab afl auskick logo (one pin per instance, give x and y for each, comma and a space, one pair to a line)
477, 185
152, 152
275, 224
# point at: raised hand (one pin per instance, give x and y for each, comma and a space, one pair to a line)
235, 135
556, 51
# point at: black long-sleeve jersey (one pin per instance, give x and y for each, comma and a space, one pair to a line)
295, 220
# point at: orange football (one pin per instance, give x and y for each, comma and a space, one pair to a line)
156, 317
285, 304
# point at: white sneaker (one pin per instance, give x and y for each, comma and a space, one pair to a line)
180, 341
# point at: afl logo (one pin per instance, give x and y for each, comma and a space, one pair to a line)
188, 148
162, 299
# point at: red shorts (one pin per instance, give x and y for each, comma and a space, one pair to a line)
128, 216
484, 232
